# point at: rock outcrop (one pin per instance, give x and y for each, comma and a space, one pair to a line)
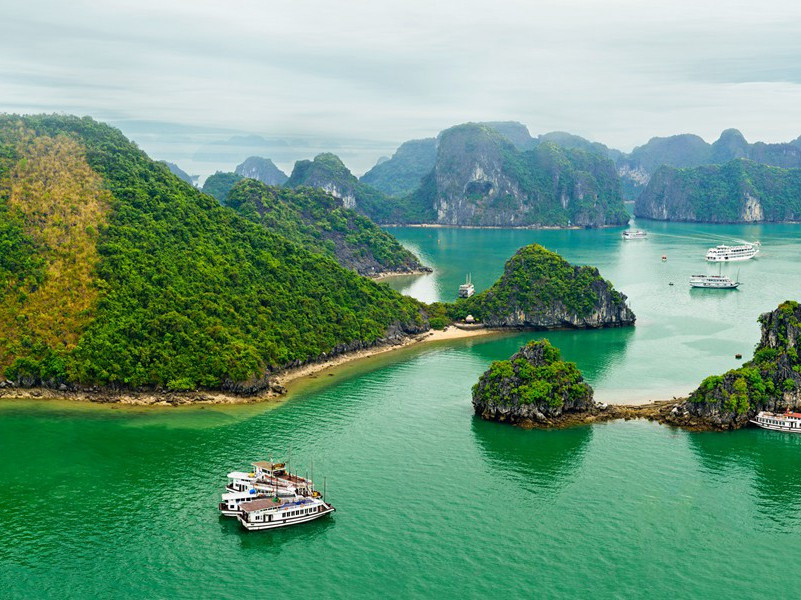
261, 169
741, 191
541, 290
533, 387
771, 380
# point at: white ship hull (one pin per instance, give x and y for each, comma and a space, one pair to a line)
258, 526
715, 285
777, 427
730, 258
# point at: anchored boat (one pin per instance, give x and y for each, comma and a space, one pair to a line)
466, 289
719, 282
789, 421
732, 253
271, 496
634, 235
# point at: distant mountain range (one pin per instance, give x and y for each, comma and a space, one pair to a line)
497, 174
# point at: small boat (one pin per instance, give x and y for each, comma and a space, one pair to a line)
634, 235
732, 253
789, 421
467, 289
719, 282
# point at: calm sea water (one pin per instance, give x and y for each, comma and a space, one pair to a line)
432, 502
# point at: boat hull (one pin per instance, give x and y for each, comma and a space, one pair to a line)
706, 286
730, 259
284, 522
776, 427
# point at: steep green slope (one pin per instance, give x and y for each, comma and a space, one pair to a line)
319, 222
219, 184
739, 191
117, 273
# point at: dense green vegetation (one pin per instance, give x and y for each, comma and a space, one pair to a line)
774, 369
537, 281
723, 194
188, 293
179, 172
318, 221
535, 375
219, 184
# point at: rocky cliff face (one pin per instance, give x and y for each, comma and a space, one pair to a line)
261, 169
541, 290
533, 387
740, 191
770, 381
481, 179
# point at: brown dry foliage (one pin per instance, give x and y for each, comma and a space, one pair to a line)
63, 205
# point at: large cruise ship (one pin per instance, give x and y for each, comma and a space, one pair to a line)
732, 253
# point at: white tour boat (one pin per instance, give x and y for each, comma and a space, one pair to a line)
467, 289
789, 421
634, 235
719, 282
270, 513
732, 253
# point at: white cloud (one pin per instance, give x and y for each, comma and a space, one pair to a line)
372, 74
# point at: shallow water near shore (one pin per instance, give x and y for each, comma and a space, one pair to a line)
432, 502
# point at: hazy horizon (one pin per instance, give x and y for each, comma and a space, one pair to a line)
359, 79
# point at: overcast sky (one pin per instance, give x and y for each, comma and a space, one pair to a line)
368, 75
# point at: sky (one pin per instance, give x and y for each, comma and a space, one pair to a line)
358, 78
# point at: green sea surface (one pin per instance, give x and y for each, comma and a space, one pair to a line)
104, 501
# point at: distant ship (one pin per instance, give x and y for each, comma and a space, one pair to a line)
466, 289
720, 282
732, 253
789, 421
634, 235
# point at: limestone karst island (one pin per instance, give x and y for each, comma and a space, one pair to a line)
358, 300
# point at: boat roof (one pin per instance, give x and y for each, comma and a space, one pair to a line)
265, 503
794, 415
238, 495
239, 475
263, 464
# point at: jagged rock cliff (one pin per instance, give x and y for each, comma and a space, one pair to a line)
480, 178
741, 191
533, 387
771, 380
539, 289
261, 169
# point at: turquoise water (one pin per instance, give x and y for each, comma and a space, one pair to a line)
432, 502
682, 334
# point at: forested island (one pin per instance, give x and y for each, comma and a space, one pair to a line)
534, 387
117, 274
540, 290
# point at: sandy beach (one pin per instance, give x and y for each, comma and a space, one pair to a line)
284, 378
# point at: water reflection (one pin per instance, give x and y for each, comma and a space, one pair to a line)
771, 460
541, 461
